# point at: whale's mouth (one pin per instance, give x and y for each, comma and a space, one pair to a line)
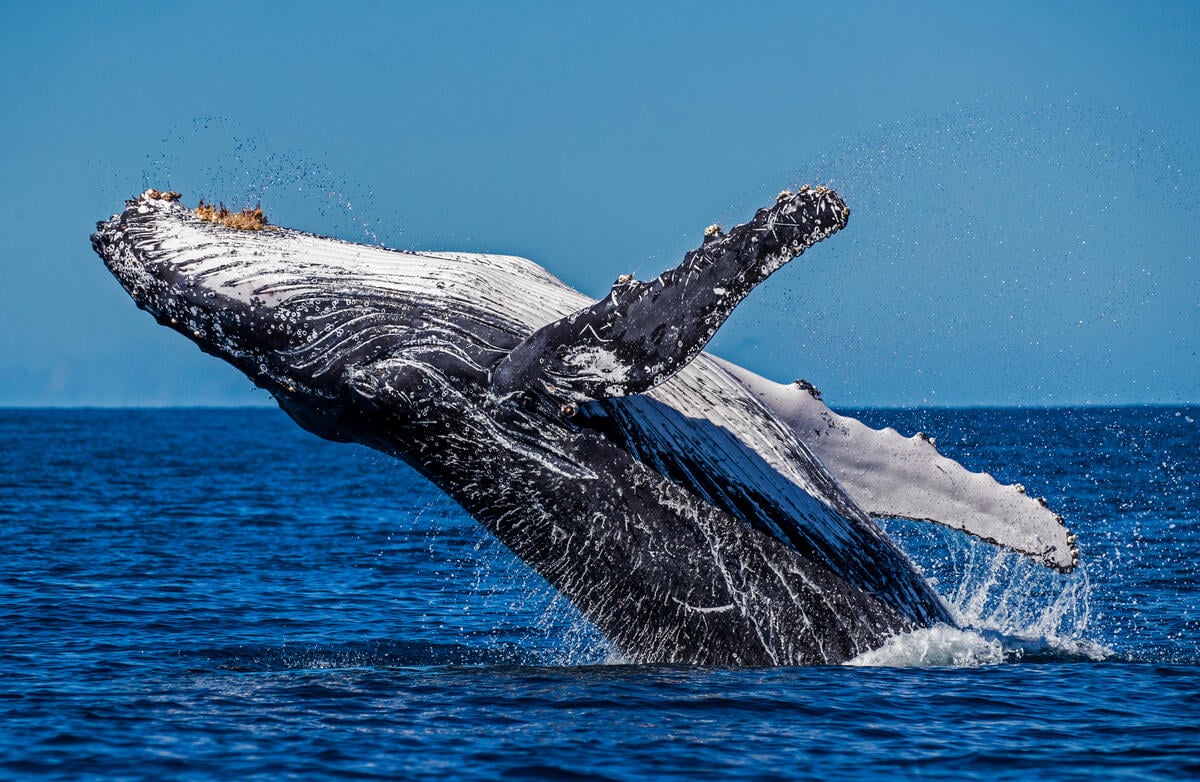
292, 310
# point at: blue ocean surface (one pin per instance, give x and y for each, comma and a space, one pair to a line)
216, 594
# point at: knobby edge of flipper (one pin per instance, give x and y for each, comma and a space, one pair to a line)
892, 476
642, 333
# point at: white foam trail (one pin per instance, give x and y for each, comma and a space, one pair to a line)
938, 646
943, 646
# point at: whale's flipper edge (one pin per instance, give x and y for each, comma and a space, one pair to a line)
642, 333
892, 476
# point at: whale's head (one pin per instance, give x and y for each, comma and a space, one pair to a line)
210, 275
298, 313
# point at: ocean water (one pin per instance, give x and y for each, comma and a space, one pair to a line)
215, 594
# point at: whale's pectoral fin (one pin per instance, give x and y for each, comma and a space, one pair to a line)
890, 475
644, 332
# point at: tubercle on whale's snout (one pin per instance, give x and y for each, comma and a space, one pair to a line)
245, 220
162, 195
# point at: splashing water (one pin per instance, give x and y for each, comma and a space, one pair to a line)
484, 579
1007, 607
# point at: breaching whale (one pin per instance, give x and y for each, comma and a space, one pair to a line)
694, 512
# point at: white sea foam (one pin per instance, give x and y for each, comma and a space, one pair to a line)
951, 647
940, 645
1007, 608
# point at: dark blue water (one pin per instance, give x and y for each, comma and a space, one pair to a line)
216, 594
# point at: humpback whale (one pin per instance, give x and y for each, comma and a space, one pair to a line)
693, 511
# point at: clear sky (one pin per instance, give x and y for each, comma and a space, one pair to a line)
1023, 176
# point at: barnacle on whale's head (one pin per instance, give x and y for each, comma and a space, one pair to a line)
245, 220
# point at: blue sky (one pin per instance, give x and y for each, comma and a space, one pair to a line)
1022, 177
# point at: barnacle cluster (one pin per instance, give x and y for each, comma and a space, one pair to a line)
245, 220
163, 195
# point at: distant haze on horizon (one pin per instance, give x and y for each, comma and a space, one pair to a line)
1022, 177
